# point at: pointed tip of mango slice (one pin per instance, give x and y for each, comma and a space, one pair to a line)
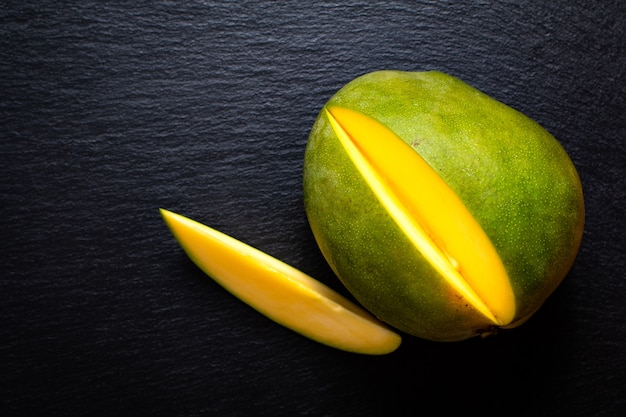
281, 292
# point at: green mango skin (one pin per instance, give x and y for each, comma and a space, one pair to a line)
513, 176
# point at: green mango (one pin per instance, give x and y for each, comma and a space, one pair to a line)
502, 171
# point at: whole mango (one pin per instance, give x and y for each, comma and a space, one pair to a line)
446, 213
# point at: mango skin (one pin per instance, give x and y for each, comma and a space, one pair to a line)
513, 176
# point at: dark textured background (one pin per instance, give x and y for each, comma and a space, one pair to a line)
110, 110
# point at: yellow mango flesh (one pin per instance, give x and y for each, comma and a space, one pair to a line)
281, 292
435, 220
446, 213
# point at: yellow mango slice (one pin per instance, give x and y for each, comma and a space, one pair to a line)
281, 292
428, 211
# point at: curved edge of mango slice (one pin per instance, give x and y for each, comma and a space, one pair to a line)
282, 293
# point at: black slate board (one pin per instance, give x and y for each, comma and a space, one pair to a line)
110, 110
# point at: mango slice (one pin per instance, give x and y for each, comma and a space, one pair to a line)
435, 219
281, 292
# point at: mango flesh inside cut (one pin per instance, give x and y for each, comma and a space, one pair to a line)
435, 220
446, 213
281, 292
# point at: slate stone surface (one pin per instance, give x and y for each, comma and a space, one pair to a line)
110, 110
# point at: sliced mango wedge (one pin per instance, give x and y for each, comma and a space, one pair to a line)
281, 292
428, 211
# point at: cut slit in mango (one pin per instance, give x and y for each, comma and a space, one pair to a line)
281, 292
428, 211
